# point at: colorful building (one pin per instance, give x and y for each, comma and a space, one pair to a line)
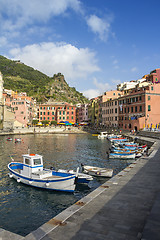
139, 108
93, 111
23, 107
82, 113
109, 108
57, 111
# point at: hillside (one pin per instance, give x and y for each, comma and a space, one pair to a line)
22, 78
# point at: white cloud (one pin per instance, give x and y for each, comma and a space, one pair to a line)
91, 93
134, 69
51, 58
99, 26
22, 13
101, 88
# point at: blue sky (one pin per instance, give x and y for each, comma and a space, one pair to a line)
96, 44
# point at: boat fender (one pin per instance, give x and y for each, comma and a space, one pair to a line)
18, 180
10, 175
30, 182
47, 184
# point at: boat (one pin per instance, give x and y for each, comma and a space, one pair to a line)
81, 177
32, 173
119, 140
102, 135
9, 139
17, 140
97, 171
123, 155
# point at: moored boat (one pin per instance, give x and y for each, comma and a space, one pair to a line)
102, 135
31, 172
123, 155
17, 140
97, 171
9, 139
81, 177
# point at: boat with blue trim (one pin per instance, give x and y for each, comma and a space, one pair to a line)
32, 173
122, 155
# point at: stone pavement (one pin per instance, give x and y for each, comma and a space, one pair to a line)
127, 207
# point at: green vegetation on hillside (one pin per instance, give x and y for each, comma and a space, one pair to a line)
22, 78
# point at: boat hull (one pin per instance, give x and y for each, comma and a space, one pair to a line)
97, 172
59, 183
122, 156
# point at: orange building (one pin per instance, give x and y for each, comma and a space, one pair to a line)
57, 111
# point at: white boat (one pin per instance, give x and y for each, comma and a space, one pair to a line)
81, 177
17, 140
9, 139
102, 135
123, 155
31, 172
97, 171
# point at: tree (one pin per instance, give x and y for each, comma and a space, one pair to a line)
54, 122
35, 121
45, 122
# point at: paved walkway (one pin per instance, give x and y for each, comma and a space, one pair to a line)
127, 207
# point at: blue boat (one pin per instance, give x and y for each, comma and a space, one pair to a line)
32, 173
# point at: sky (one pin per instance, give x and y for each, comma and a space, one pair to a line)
95, 44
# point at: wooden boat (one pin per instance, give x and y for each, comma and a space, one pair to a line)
32, 173
81, 177
97, 171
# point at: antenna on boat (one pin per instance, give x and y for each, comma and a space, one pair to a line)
28, 150
12, 158
77, 172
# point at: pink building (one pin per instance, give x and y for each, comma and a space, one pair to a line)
140, 108
154, 76
109, 108
82, 113
24, 107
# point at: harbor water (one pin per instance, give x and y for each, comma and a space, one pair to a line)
23, 208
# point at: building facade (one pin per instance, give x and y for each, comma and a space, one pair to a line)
109, 108
139, 108
23, 107
82, 113
57, 111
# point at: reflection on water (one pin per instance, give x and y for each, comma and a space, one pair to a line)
23, 208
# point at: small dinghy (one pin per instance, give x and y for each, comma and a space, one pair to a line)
31, 172
102, 135
81, 177
97, 171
